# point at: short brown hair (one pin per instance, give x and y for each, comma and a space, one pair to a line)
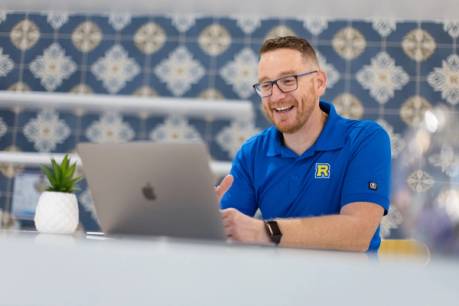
290, 42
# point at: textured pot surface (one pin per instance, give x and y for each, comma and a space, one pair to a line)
56, 213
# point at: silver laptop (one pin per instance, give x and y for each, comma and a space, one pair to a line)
145, 188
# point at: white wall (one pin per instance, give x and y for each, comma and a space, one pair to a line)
354, 9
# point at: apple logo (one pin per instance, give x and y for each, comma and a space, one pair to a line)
149, 192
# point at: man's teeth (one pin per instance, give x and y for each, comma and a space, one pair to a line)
280, 109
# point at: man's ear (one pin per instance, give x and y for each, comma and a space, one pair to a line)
321, 82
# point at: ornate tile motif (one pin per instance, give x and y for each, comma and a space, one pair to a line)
447, 160
413, 110
419, 45
452, 27
46, 131
248, 24
57, 19
150, 37
6, 64
211, 94
19, 87
53, 67
241, 73
179, 71
333, 75
175, 128
232, 137
349, 43
420, 181
110, 128
183, 22
396, 141
446, 79
86, 36
384, 26
145, 91
214, 39
349, 106
115, 69
81, 89
119, 20
382, 77
315, 25
24, 35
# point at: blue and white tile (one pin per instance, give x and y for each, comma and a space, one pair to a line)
401, 30
179, 71
231, 25
115, 69
382, 77
174, 128
266, 25
102, 22
330, 31
52, 67
297, 26
437, 30
109, 127
367, 30
46, 131
216, 151
444, 79
9, 49
239, 71
74, 20
42, 23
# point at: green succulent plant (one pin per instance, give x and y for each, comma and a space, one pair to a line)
61, 176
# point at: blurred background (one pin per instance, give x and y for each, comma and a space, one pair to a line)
393, 62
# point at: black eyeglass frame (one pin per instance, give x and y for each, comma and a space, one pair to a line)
296, 76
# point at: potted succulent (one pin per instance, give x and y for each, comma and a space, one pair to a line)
57, 209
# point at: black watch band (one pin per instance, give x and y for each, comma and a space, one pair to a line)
273, 231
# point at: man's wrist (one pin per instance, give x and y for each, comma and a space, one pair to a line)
273, 231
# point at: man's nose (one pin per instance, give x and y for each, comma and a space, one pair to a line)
277, 94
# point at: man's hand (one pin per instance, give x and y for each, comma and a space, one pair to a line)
239, 227
225, 184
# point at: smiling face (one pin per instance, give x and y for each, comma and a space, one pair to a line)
291, 111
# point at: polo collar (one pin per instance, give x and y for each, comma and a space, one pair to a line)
332, 136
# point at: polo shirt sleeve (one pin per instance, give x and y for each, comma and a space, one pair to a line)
367, 178
241, 195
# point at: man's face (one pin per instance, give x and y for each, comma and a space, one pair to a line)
289, 112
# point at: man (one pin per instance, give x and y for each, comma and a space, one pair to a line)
319, 180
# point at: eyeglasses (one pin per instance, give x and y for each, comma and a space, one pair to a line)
285, 84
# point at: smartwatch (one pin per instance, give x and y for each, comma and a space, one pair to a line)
273, 231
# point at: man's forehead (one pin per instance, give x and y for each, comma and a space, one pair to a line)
280, 62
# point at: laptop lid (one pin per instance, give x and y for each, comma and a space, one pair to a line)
146, 188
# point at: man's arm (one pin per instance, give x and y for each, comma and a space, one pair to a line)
351, 230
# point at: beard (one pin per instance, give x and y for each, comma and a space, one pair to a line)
294, 119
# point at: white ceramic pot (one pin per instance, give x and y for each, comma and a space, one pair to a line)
56, 213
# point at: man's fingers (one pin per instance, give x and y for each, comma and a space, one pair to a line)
224, 186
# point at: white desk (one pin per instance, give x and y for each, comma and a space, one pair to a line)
67, 270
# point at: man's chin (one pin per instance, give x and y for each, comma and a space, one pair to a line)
287, 129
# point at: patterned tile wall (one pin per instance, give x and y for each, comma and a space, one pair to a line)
385, 70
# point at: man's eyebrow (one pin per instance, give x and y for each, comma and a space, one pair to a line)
282, 74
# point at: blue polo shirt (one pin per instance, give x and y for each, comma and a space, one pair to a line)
349, 162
